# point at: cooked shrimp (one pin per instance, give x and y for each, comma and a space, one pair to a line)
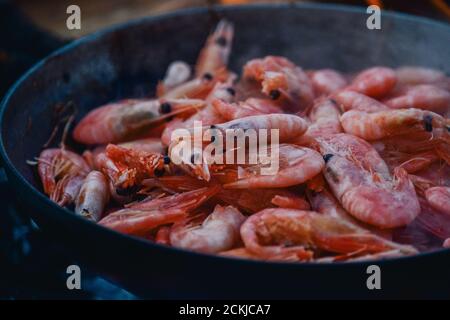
62, 173
214, 55
403, 143
126, 119
185, 201
326, 204
208, 115
242, 199
189, 161
439, 198
276, 234
196, 88
327, 81
296, 165
138, 218
351, 100
325, 116
382, 124
93, 196
412, 162
282, 81
138, 222
287, 232
361, 181
288, 126
425, 96
374, 82
409, 75
218, 232
126, 168
250, 107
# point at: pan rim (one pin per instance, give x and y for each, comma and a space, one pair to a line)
11, 168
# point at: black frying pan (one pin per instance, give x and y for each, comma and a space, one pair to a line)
128, 60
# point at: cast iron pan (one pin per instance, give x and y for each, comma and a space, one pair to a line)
126, 61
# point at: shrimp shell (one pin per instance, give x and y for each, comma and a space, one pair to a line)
218, 232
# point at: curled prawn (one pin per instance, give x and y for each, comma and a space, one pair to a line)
296, 165
218, 232
282, 81
361, 181
288, 233
62, 173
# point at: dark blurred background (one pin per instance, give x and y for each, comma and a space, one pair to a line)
32, 265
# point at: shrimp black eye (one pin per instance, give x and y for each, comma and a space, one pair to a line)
193, 158
334, 102
327, 157
274, 94
213, 138
208, 76
221, 41
159, 172
428, 123
231, 91
166, 107
166, 159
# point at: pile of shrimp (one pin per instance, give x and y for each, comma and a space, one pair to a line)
364, 161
